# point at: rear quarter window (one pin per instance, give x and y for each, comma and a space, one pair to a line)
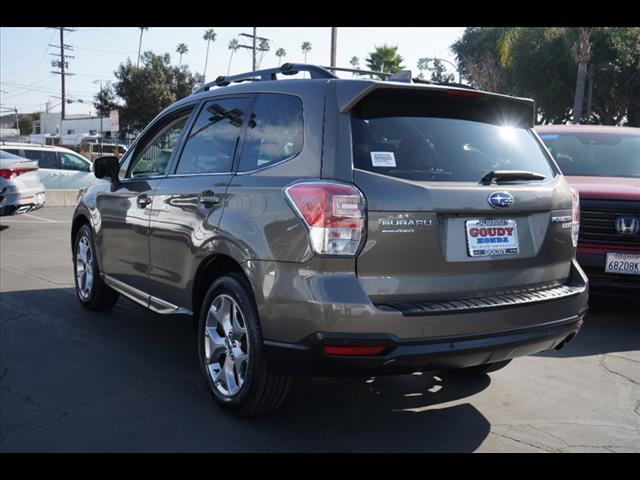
45, 159
274, 132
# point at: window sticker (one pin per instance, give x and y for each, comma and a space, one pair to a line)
383, 159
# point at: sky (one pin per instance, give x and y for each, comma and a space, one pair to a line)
26, 81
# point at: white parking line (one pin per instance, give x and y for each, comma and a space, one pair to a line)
40, 218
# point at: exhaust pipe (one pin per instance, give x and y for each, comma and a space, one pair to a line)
565, 341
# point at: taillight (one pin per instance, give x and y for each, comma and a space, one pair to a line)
575, 216
334, 214
465, 93
11, 173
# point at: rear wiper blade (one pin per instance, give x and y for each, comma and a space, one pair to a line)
497, 175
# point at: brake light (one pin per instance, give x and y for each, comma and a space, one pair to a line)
334, 214
360, 350
11, 173
575, 216
465, 93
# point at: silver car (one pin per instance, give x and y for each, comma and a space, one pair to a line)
20, 187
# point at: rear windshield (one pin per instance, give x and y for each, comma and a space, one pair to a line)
444, 140
595, 154
443, 149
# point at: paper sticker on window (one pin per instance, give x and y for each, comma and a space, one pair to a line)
383, 159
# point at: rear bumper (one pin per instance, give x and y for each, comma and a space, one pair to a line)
435, 354
305, 310
14, 202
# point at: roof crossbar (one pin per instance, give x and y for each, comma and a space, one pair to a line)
269, 74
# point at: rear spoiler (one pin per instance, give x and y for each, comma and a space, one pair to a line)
351, 93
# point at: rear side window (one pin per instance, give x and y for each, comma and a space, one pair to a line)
428, 141
72, 162
46, 159
212, 141
274, 132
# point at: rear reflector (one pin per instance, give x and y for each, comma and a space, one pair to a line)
359, 350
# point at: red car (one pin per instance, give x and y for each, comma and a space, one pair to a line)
603, 164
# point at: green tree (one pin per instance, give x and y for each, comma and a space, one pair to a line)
147, 90
439, 72
423, 64
105, 101
25, 123
385, 59
281, 53
142, 29
209, 36
181, 49
234, 45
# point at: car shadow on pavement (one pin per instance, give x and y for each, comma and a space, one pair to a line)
116, 367
612, 325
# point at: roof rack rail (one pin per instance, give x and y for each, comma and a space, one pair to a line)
268, 74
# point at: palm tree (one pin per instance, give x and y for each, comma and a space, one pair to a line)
280, 53
234, 45
355, 63
209, 36
142, 29
385, 59
263, 47
306, 48
181, 49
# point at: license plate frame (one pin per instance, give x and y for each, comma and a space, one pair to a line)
492, 237
622, 263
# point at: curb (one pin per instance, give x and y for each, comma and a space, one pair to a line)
61, 198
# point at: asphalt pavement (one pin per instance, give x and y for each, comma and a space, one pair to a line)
128, 381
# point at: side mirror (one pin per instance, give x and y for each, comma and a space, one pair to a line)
106, 167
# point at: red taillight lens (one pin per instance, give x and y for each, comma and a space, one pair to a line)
575, 211
359, 350
334, 213
11, 173
465, 93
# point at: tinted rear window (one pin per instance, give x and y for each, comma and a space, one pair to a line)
443, 149
445, 135
595, 154
274, 133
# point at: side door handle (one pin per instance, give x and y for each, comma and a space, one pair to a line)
208, 199
143, 200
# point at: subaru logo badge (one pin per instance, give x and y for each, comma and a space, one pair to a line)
500, 199
628, 225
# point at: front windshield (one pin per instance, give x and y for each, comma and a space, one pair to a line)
443, 149
595, 154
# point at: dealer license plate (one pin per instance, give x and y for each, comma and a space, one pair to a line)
492, 237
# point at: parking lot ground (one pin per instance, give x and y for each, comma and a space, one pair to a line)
128, 380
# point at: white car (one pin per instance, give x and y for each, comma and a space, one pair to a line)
59, 168
20, 187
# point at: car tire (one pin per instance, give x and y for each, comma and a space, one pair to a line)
91, 290
482, 369
234, 364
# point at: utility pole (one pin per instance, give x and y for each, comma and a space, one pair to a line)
254, 38
62, 64
334, 41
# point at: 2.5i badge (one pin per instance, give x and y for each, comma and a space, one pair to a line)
492, 237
